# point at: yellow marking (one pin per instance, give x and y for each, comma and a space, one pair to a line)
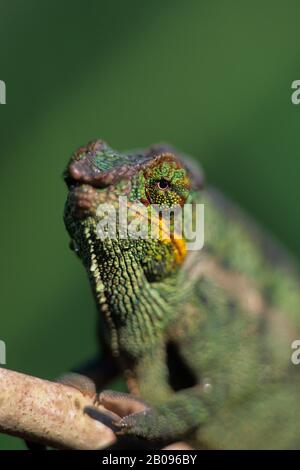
178, 243
180, 247
164, 235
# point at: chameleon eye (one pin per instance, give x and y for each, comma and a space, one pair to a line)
166, 183
163, 184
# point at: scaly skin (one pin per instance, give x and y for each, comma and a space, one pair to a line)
204, 337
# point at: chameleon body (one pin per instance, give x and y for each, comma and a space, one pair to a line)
204, 337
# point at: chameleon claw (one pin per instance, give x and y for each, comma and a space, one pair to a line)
121, 427
104, 416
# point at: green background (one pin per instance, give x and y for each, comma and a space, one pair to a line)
211, 77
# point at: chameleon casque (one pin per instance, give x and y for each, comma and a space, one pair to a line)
203, 337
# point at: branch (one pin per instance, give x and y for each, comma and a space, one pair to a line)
49, 413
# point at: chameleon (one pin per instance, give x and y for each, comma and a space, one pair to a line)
201, 337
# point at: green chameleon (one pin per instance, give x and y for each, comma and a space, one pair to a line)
202, 337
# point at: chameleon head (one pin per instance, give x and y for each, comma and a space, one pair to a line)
120, 214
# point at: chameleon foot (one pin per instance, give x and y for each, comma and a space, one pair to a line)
122, 404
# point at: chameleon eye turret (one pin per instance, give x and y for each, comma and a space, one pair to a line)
167, 182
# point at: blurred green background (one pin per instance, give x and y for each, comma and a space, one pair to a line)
211, 77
